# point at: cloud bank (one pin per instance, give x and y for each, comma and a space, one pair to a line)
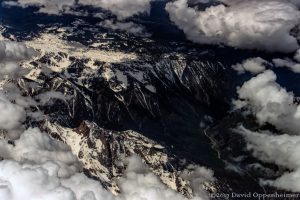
273, 104
252, 24
121, 8
51, 7
269, 102
10, 54
36, 182
282, 150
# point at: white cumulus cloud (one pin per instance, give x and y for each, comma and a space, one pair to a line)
251, 24
269, 102
289, 64
253, 65
40, 182
129, 27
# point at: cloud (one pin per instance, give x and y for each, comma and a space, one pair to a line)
13, 93
33, 146
10, 54
47, 96
269, 102
197, 176
51, 7
41, 181
231, 2
36, 182
14, 51
289, 63
139, 183
12, 115
252, 24
253, 65
297, 56
295, 2
121, 8
129, 27
295, 67
36, 166
282, 150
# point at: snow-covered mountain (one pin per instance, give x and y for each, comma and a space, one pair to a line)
104, 93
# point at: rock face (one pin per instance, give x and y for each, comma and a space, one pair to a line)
158, 106
155, 107
102, 153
